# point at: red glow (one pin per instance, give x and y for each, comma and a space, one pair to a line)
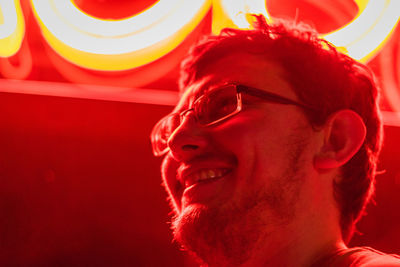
78, 183
119, 94
113, 9
325, 16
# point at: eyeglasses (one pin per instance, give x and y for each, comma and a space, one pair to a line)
212, 108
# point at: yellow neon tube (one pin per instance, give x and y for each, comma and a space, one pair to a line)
231, 13
12, 27
117, 44
361, 39
369, 31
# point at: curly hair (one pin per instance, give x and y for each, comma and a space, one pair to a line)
321, 77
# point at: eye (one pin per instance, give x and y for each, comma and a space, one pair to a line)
217, 104
223, 105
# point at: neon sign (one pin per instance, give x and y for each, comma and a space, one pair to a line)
369, 31
117, 44
12, 27
361, 39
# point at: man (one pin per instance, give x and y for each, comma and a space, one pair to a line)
271, 152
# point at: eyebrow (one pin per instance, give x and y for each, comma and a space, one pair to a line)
202, 89
272, 96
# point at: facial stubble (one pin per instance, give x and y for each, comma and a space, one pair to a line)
231, 232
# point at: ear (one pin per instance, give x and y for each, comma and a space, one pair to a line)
343, 133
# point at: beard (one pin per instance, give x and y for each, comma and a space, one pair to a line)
215, 235
229, 234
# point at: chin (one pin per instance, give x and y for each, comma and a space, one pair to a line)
213, 235
189, 225
190, 231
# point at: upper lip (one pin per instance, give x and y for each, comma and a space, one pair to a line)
187, 172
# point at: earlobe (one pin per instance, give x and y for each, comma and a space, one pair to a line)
344, 133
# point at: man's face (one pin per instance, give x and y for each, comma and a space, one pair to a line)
247, 177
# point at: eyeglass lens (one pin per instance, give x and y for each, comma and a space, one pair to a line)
209, 108
216, 105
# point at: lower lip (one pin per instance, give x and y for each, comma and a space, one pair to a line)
204, 191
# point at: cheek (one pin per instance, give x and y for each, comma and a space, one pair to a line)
248, 133
262, 143
250, 142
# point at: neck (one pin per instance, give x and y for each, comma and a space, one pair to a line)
301, 243
300, 251
300, 246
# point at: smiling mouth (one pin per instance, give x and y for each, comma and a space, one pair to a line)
206, 175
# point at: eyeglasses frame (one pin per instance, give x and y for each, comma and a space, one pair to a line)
262, 94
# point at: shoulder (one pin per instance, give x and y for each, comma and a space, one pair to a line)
358, 257
369, 257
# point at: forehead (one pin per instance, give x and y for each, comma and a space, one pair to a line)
242, 68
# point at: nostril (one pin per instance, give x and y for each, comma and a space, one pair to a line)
189, 147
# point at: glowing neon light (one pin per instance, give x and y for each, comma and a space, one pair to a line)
361, 39
390, 76
391, 118
369, 31
12, 27
117, 44
231, 13
109, 93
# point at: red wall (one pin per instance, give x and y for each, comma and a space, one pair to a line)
79, 186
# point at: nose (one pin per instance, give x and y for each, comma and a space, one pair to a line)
188, 140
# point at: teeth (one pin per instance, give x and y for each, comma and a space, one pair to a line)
205, 174
208, 174
211, 174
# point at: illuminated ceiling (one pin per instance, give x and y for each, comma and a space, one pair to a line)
124, 45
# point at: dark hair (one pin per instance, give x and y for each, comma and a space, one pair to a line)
322, 77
